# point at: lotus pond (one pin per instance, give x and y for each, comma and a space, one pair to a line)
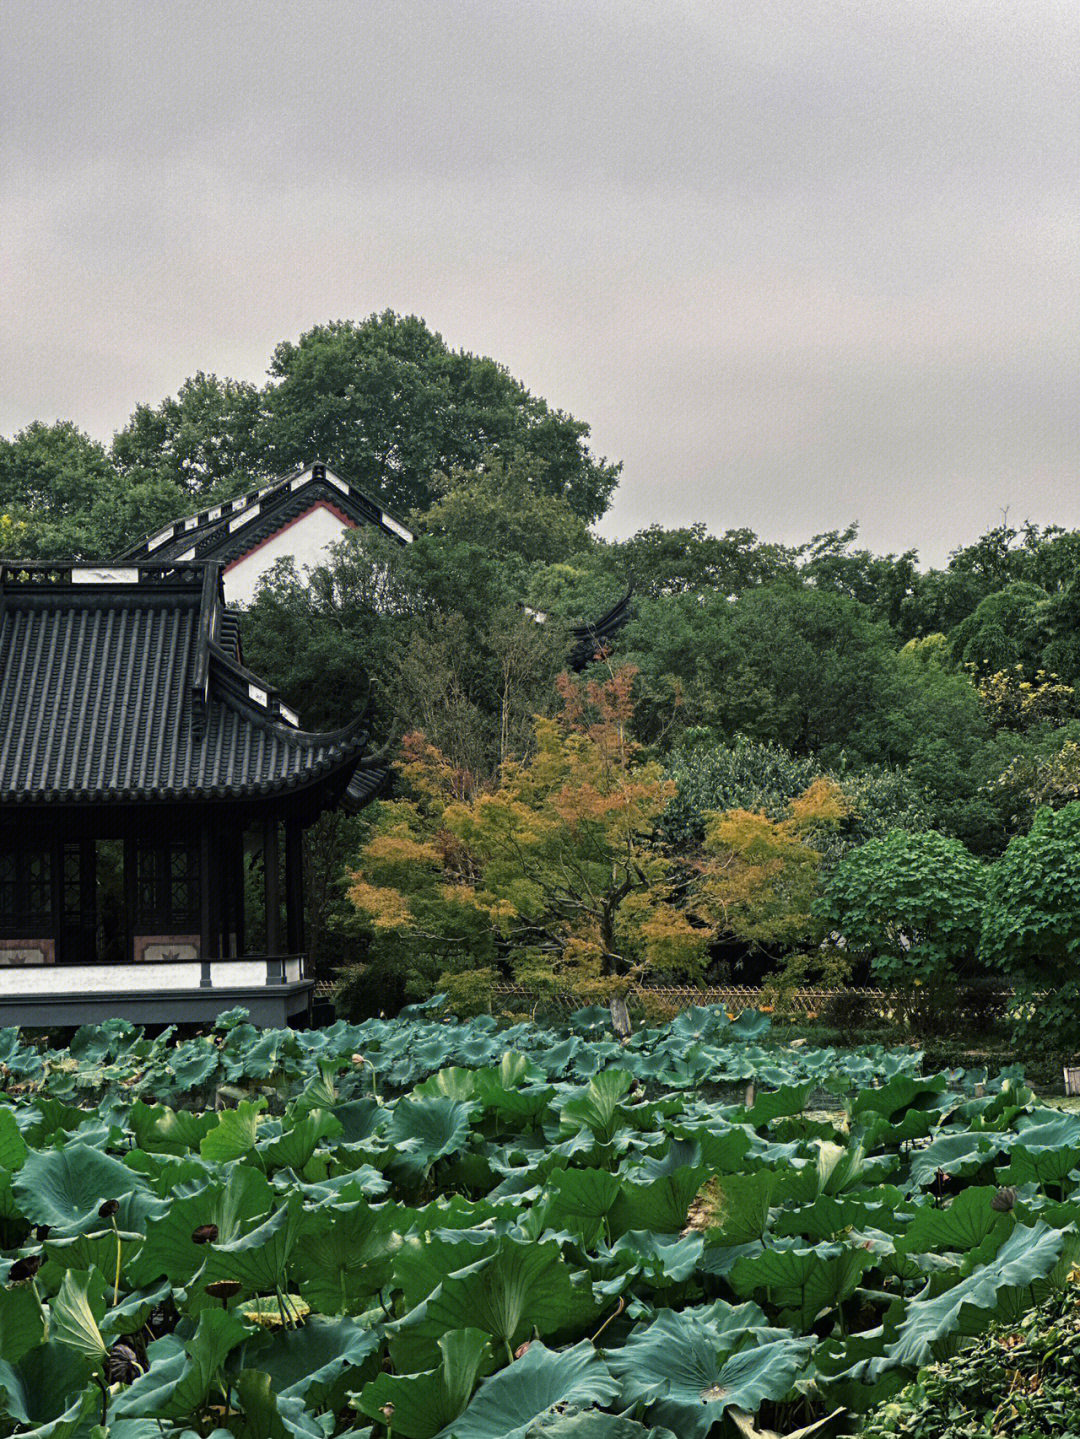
414, 1228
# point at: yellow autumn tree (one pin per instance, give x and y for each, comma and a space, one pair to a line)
758, 878
556, 869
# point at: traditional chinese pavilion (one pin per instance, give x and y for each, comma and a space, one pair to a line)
147, 781
300, 517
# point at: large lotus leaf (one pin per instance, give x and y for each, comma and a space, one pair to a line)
180, 1377
507, 1405
770, 1104
233, 1207
687, 1370
298, 1141
661, 1205
519, 1289
193, 1062
363, 1182
98, 1249
424, 1403
599, 1108
75, 1313
578, 1199
751, 1024
955, 1154
13, 1148
424, 1261
64, 1188
723, 1151
593, 1424
235, 1133
739, 1206
167, 1172
832, 1424
316, 1362
1028, 1255
963, 1226
1048, 1129
902, 1092
344, 1254
1042, 1166
359, 1120
22, 1321
452, 1083
46, 1393
258, 1259
802, 1283
422, 1131
161, 1130
828, 1215
265, 1415
519, 1105
661, 1260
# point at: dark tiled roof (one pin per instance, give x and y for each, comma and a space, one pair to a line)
590, 640
228, 531
124, 684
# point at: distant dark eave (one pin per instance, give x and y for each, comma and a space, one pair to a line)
228, 531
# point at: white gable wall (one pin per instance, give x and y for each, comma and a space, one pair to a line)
307, 541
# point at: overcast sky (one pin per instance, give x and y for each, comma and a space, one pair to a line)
797, 262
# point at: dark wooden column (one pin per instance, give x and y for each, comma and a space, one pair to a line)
273, 894
206, 910
294, 885
131, 894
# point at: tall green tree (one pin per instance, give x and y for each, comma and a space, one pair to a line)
206, 441
391, 404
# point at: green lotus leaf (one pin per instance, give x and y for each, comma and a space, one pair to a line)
316, 1363
899, 1094
963, 1226
452, 1083
180, 1376
75, 1313
955, 1154
64, 1188
593, 1424
424, 1403
828, 1216
770, 1104
233, 1206
259, 1258
507, 1405
421, 1131
519, 1289
235, 1133
298, 1141
578, 1199
46, 1393
1028, 1255
193, 1062
344, 1254
661, 1205
802, 1283
599, 1107
13, 1147
659, 1259
1042, 1166
22, 1322
161, 1130
740, 1205
688, 1368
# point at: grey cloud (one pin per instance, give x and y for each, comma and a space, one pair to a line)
797, 262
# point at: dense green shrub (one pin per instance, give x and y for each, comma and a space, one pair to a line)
911, 904
1031, 924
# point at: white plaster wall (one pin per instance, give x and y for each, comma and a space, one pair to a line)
251, 972
307, 541
25, 981
98, 978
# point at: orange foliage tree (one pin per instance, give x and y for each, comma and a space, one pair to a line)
556, 868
